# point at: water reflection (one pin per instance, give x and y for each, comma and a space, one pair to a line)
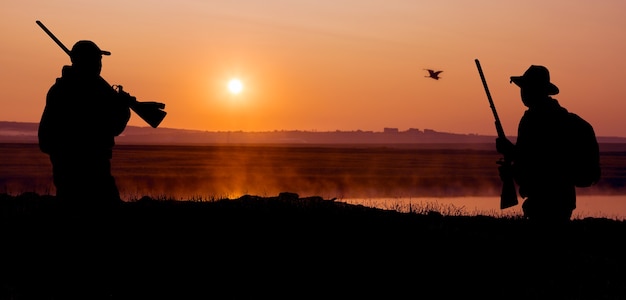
597, 206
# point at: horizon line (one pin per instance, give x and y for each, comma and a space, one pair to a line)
384, 130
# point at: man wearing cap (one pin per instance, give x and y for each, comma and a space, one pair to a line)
82, 116
542, 155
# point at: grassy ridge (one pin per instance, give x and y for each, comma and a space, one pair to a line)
293, 248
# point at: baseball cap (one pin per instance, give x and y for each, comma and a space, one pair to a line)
85, 48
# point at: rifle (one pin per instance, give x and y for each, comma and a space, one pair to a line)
149, 111
508, 195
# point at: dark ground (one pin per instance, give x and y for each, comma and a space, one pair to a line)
286, 247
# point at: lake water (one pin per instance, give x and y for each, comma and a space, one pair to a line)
597, 206
459, 179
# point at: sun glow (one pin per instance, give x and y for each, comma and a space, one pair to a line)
235, 86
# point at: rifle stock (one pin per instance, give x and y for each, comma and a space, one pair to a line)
508, 195
149, 111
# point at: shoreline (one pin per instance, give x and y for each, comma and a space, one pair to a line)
286, 247
594, 206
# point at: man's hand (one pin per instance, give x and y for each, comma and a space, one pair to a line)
124, 96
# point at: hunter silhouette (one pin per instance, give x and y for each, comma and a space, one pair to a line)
82, 116
545, 156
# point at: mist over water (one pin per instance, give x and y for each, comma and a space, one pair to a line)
329, 172
465, 180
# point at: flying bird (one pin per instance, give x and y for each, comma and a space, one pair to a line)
433, 74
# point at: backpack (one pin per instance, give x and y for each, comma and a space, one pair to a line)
585, 155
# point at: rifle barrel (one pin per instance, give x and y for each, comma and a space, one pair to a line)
54, 38
499, 128
508, 195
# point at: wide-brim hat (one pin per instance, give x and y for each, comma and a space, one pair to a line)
536, 77
87, 49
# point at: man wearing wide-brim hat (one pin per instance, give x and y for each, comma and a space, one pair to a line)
544, 151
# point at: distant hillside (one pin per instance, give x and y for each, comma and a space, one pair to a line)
23, 132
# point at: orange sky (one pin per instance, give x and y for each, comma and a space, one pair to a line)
325, 65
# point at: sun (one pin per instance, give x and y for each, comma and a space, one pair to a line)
235, 86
